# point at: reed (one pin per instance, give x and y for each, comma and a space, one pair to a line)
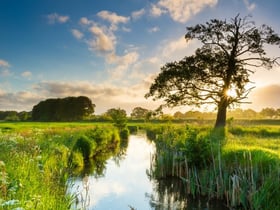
237, 168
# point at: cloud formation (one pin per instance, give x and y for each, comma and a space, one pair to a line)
4, 63
56, 18
26, 74
250, 6
77, 34
103, 40
137, 14
181, 10
113, 18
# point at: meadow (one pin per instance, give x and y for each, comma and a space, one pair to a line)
239, 166
37, 159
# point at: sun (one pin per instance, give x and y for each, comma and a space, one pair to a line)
231, 93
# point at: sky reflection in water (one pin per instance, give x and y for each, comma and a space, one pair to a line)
125, 184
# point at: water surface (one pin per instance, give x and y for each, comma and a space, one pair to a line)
125, 184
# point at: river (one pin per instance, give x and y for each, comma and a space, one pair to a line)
125, 184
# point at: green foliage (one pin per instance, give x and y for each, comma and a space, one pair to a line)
139, 113
37, 158
86, 146
118, 117
133, 129
197, 149
124, 133
221, 164
65, 109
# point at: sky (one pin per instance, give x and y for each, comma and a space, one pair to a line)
111, 50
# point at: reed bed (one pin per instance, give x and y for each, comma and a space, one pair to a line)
242, 170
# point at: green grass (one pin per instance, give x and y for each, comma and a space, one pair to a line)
35, 161
244, 162
244, 171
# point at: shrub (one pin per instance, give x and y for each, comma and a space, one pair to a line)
132, 128
197, 148
85, 146
124, 133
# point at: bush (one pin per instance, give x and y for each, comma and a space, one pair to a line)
132, 128
85, 146
124, 133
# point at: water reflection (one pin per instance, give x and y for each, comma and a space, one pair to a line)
122, 183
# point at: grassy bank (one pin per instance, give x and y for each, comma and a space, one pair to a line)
240, 166
36, 160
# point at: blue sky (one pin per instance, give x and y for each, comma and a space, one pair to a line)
110, 50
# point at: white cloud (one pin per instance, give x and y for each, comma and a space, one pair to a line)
121, 63
138, 14
103, 39
77, 34
84, 21
181, 10
19, 101
250, 6
154, 29
5, 73
112, 18
156, 11
56, 18
4, 63
26, 74
104, 96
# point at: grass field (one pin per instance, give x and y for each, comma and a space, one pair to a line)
36, 160
243, 168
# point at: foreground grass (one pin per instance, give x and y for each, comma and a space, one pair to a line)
240, 167
35, 162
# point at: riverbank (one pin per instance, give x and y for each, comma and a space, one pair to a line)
240, 166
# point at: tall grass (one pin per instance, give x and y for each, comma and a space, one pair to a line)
240, 168
35, 162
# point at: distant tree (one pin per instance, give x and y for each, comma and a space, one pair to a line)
24, 116
268, 112
11, 116
278, 113
139, 113
118, 117
250, 114
63, 109
166, 117
178, 115
219, 71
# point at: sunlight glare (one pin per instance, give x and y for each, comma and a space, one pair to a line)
231, 93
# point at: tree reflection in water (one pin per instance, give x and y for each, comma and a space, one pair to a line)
168, 193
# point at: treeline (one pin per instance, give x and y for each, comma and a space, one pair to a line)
265, 113
63, 109
81, 108
15, 116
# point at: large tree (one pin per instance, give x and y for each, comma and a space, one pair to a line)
63, 109
230, 52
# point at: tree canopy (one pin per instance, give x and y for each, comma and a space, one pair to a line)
139, 113
63, 109
118, 117
231, 51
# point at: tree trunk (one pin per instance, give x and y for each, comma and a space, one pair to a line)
222, 114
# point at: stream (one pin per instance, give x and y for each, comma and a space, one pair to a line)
125, 184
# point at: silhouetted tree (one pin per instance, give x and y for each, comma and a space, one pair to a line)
63, 109
230, 53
